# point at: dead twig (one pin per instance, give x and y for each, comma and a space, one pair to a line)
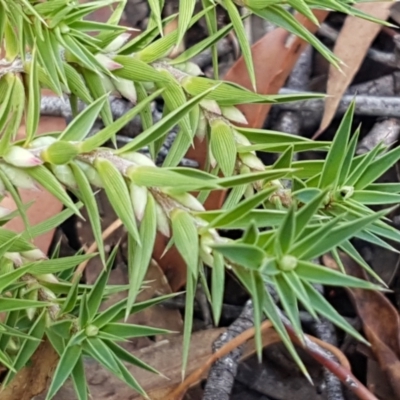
239, 340
377, 106
222, 374
385, 132
326, 360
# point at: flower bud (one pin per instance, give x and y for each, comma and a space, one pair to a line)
234, 114
108, 84
91, 174
48, 294
344, 193
107, 62
202, 127
15, 258
42, 141
193, 69
211, 106
31, 293
206, 241
137, 158
162, 221
251, 161
65, 175
126, 88
34, 255
117, 43
186, 199
91, 330
12, 346
241, 139
287, 263
18, 177
4, 212
59, 153
139, 199
20, 157
50, 278
190, 68
149, 87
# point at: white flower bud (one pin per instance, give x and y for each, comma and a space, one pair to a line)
117, 43
252, 161
14, 257
50, 278
241, 139
211, 105
107, 62
91, 174
21, 157
138, 158
234, 114
186, 199
139, 199
108, 84
162, 221
34, 255
126, 88
65, 175
4, 212
18, 177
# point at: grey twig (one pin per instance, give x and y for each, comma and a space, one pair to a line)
388, 85
222, 374
324, 330
386, 132
204, 59
377, 106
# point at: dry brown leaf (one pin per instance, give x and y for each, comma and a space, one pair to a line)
381, 323
166, 357
351, 46
34, 378
274, 57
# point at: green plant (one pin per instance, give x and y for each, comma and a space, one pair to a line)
325, 205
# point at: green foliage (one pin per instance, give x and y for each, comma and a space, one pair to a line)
323, 205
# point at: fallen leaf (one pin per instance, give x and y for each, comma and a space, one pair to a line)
381, 322
165, 356
351, 46
34, 378
274, 57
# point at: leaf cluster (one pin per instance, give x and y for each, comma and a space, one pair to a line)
291, 212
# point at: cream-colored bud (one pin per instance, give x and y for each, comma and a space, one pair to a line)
20, 157
18, 177
234, 114
117, 43
137, 158
107, 62
162, 221
139, 199
126, 88
34, 255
